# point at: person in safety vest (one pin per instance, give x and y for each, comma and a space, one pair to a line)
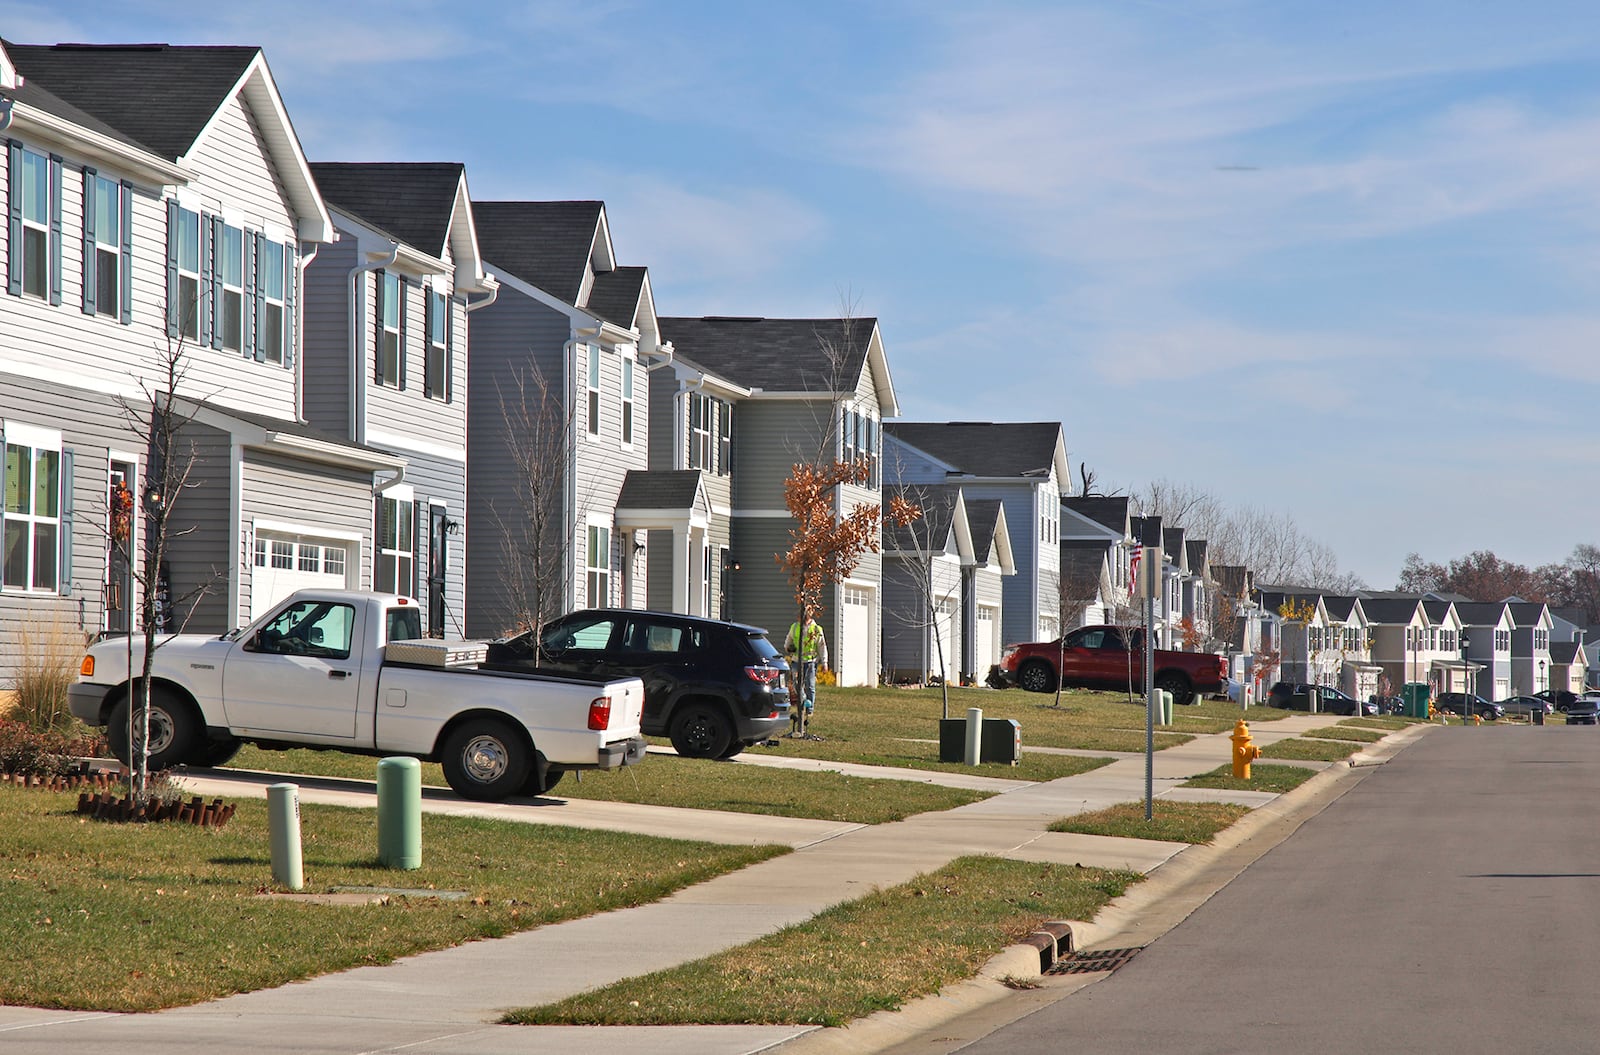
807, 651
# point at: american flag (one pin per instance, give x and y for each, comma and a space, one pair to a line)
1133, 570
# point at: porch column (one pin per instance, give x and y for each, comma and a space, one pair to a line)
680, 569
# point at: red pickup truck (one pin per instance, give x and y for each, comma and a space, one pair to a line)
1099, 657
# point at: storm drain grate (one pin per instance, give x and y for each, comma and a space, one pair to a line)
1093, 960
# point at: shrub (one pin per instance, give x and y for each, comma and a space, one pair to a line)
47, 662
42, 753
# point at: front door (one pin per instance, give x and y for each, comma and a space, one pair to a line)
438, 569
121, 507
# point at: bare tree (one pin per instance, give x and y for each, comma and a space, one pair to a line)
1073, 589
934, 600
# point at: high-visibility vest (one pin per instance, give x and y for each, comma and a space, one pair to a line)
807, 642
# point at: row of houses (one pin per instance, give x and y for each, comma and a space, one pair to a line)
386, 383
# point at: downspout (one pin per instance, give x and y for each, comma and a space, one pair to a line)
358, 376
306, 257
7, 105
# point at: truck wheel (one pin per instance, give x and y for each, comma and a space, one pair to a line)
485, 760
1176, 684
216, 752
733, 748
1036, 676
701, 731
536, 785
172, 731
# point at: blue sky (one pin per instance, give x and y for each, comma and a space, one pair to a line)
1339, 261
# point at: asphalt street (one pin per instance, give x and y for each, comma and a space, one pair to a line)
1445, 902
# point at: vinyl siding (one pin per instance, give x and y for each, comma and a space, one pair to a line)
439, 480
909, 584
665, 450
771, 437
327, 338
199, 560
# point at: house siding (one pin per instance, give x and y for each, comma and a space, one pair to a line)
327, 338
440, 481
199, 559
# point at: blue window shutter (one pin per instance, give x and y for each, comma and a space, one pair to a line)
55, 229
208, 254
216, 281
172, 267
89, 284
252, 298
291, 280
449, 348
377, 333
127, 253
402, 342
427, 341
64, 563
14, 209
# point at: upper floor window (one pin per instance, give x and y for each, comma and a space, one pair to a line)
597, 582
1502, 641
35, 256
271, 284
231, 272
702, 412
627, 400
396, 546
594, 390
388, 353
436, 368
725, 439
106, 214
1541, 640
31, 513
184, 253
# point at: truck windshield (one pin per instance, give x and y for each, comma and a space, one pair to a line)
404, 624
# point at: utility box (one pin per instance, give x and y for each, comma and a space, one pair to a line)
1000, 740
1417, 696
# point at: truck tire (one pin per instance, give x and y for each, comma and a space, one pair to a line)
734, 747
1176, 683
1036, 676
173, 730
536, 784
215, 752
701, 731
486, 760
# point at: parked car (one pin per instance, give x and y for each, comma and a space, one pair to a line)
1472, 703
1390, 704
1585, 710
1561, 698
713, 687
1526, 706
1109, 657
1296, 696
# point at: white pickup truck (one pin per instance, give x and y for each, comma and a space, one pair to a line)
349, 670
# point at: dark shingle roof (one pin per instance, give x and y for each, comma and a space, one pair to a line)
1147, 530
932, 529
1196, 553
1111, 513
779, 355
983, 515
615, 295
1340, 608
659, 489
413, 203
1526, 613
157, 96
1480, 613
1232, 578
1082, 566
1397, 610
1564, 651
1172, 545
1437, 610
544, 243
983, 448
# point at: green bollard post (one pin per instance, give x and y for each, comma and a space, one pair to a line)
283, 830
400, 813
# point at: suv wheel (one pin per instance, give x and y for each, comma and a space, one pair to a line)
1036, 676
701, 731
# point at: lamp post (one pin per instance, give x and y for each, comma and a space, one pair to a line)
1543, 684
1466, 692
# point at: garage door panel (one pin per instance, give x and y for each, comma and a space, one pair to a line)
284, 563
855, 654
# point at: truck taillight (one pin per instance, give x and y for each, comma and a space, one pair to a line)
600, 712
765, 675
86, 668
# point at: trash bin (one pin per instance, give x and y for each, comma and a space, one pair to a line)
1416, 696
1538, 716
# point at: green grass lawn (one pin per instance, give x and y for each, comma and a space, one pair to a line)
1263, 777
1176, 822
123, 917
1311, 750
871, 954
1346, 732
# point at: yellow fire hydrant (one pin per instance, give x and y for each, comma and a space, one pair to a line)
1244, 750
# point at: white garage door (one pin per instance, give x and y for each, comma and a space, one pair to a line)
854, 653
285, 563
950, 633
987, 633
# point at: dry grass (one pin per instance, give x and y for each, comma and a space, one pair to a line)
1175, 822
47, 657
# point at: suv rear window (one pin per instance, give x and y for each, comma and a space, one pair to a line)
761, 646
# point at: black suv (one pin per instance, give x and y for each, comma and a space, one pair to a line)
715, 688
1451, 703
1296, 696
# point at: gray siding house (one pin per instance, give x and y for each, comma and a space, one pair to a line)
140, 232
818, 389
386, 362
558, 413
923, 565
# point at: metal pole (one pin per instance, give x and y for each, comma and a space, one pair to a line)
1149, 699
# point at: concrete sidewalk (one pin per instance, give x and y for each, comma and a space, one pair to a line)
445, 1002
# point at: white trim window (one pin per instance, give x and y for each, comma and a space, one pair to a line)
107, 247
388, 350
187, 237
273, 301
30, 516
437, 356
702, 411
395, 567
36, 212
594, 389
231, 271
627, 401
597, 562
725, 439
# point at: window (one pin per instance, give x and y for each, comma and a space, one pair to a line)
332, 560
627, 400
310, 628
598, 580
271, 284
185, 310
701, 411
1502, 641
388, 351
847, 435
403, 624
102, 239
578, 631
594, 390
705, 579
282, 554
396, 549
310, 557
231, 270
436, 368
31, 514
37, 209
725, 440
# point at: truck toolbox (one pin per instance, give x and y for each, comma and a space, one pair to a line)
428, 652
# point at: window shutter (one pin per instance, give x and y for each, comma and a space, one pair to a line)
64, 562
55, 229
14, 210
127, 253
215, 261
291, 280
419, 573
208, 288
427, 340
449, 349
377, 326
252, 297
400, 355
172, 267
89, 284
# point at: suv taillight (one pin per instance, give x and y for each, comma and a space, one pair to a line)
600, 712
765, 675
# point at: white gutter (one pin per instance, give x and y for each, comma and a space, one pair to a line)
300, 330
494, 295
358, 374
